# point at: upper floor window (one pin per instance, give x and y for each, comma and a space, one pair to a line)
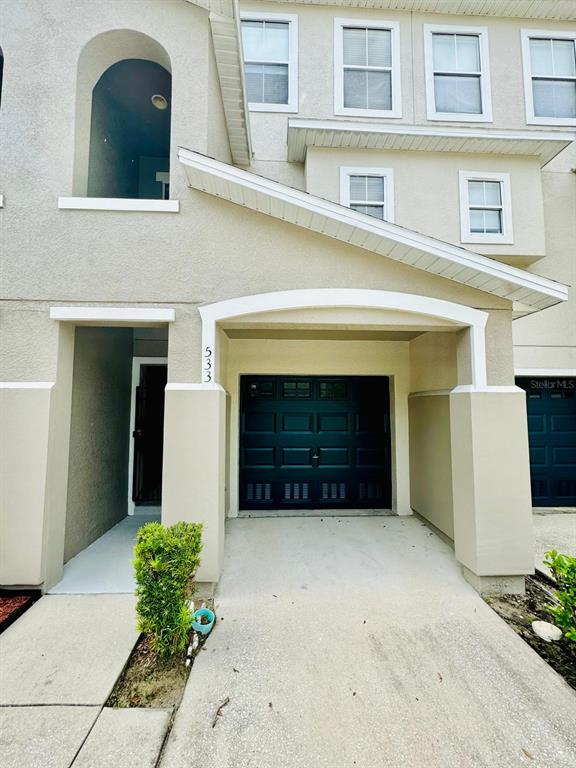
367, 68
457, 74
369, 191
270, 44
485, 207
550, 76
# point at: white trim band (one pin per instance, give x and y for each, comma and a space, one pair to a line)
117, 204
112, 314
26, 384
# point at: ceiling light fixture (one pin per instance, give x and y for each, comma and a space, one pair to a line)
159, 101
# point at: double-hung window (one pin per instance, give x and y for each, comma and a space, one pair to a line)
366, 68
549, 77
369, 191
270, 44
485, 207
457, 74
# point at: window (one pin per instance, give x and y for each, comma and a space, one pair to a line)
485, 207
549, 77
270, 44
369, 191
366, 68
457, 74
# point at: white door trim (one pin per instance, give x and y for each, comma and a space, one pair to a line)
137, 362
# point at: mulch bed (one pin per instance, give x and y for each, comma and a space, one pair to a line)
13, 605
519, 611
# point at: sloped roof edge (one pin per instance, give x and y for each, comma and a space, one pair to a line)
260, 194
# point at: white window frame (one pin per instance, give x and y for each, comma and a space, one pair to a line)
386, 173
507, 234
485, 88
292, 20
547, 34
339, 108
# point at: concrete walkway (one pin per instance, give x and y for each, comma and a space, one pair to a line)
356, 642
105, 567
58, 665
553, 531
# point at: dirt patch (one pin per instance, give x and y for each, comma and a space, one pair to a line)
519, 611
151, 682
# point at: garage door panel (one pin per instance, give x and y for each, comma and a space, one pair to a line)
296, 457
333, 457
551, 406
329, 448
259, 457
297, 422
260, 423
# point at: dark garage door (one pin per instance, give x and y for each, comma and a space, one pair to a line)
551, 407
314, 442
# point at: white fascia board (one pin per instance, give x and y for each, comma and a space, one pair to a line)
137, 315
227, 41
543, 292
323, 133
117, 204
527, 9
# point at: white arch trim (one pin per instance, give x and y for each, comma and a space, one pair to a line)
339, 298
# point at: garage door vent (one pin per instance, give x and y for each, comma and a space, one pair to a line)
296, 491
259, 491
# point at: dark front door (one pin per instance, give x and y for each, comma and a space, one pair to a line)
551, 405
148, 435
310, 442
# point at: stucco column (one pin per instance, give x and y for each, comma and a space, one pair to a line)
491, 487
193, 481
35, 429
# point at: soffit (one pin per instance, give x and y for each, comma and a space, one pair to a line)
271, 198
338, 134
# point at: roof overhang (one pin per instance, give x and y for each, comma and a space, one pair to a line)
337, 134
529, 292
561, 10
226, 38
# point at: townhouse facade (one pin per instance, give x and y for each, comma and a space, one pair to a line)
287, 258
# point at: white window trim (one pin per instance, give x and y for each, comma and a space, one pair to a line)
386, 173
292, 20
466, 236
485, 88
339, 108
526, 34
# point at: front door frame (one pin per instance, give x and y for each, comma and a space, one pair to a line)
137, 363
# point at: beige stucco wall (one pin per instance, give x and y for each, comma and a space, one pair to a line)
547, 340
430, 461
427, 192
491, 482
99, 435
194, 468
23, 450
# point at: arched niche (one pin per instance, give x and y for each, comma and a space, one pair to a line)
122, 137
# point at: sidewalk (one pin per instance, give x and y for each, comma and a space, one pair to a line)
58, 665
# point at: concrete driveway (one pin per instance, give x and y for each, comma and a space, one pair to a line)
356, 642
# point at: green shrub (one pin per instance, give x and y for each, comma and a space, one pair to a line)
563, 569
166, 561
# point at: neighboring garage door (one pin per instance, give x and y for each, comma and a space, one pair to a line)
551, 407
310, 442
